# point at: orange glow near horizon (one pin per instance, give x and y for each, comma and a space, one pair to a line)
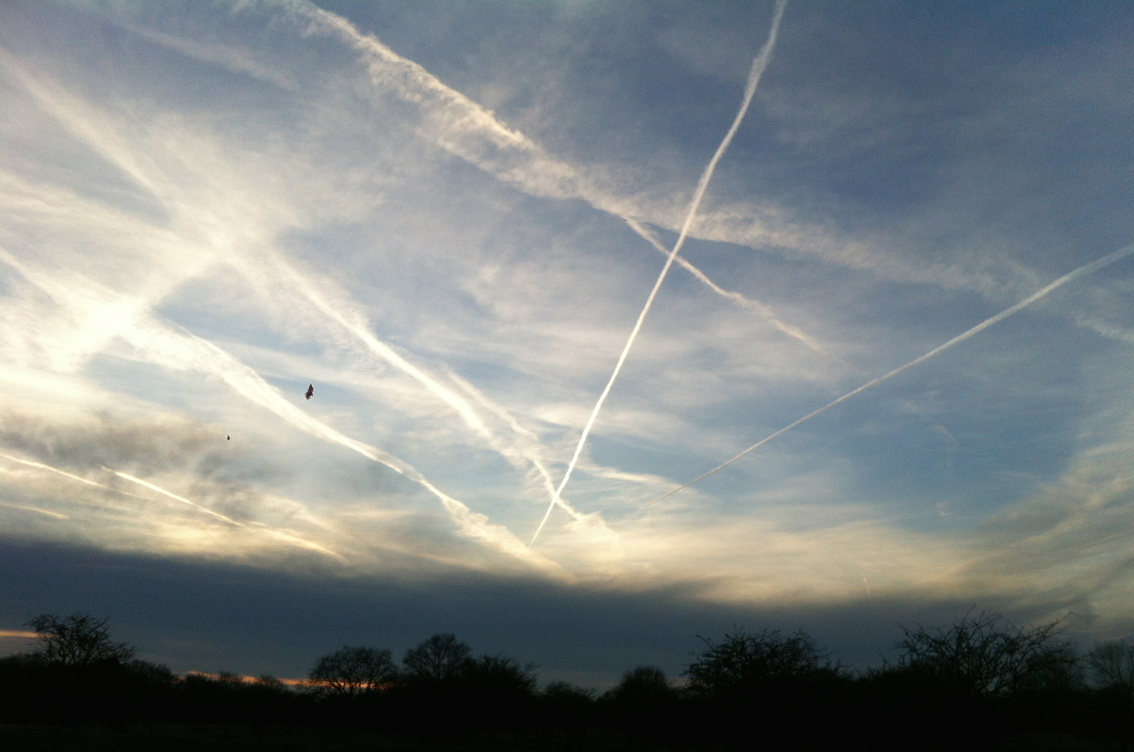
245, 678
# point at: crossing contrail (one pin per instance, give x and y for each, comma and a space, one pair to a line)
469, 131
134, 324
758, 66
1082, 271
735, 297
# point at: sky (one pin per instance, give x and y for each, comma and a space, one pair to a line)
447, 219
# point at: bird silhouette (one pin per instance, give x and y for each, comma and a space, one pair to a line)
227, 437
310, 391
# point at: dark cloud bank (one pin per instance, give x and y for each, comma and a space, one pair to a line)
214, 616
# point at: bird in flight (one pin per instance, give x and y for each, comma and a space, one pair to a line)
227, 437
310, 391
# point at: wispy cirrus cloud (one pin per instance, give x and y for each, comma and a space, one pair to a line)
223, 207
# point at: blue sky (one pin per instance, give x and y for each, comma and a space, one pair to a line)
447, 217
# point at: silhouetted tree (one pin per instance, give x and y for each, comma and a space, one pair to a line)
148, 691
643, 703
1112, 666
439, 658
269, 701
986, 656
569, 709
498, 692
353, 671
746, 664
431, 698
82, 671
972, 683
749, 684
77, 640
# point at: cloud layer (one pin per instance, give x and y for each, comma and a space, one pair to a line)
447, 220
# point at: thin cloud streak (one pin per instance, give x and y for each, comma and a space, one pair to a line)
104, 139
302, 543
758, 66
170, 494
361, 331
735, 297
64, 108
191, 352
471, 132
460, 117
56, 515
291, 539
530, 454
357, 327
1042, 292
65, 474
160, 345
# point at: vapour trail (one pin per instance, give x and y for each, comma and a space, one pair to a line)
65, 109
174, 496
275, 533
1082, 271
758, 66
735, 297
150, 337
56, 515
187, 352
381, 349
472, 133
61, 106
356, 325
302, 543
530, 455
65, 474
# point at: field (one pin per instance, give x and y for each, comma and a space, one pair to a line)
239, 737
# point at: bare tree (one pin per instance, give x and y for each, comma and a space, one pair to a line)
1112, 664
439, 658
351, 671
745, 663
77, 640
986, 656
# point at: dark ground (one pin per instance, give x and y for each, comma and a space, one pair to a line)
238, 738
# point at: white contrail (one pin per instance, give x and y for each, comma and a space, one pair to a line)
189, 352
360, 330
56, 515
1070, 276
174, 496
735, 297
469, 131
275, 533
754, 74
355, 324
134, 325
184, 351
64, 473
530, 453
293, 539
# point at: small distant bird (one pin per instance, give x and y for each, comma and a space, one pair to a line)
310, 391
227, 437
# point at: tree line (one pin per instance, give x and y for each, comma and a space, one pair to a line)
972, 685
